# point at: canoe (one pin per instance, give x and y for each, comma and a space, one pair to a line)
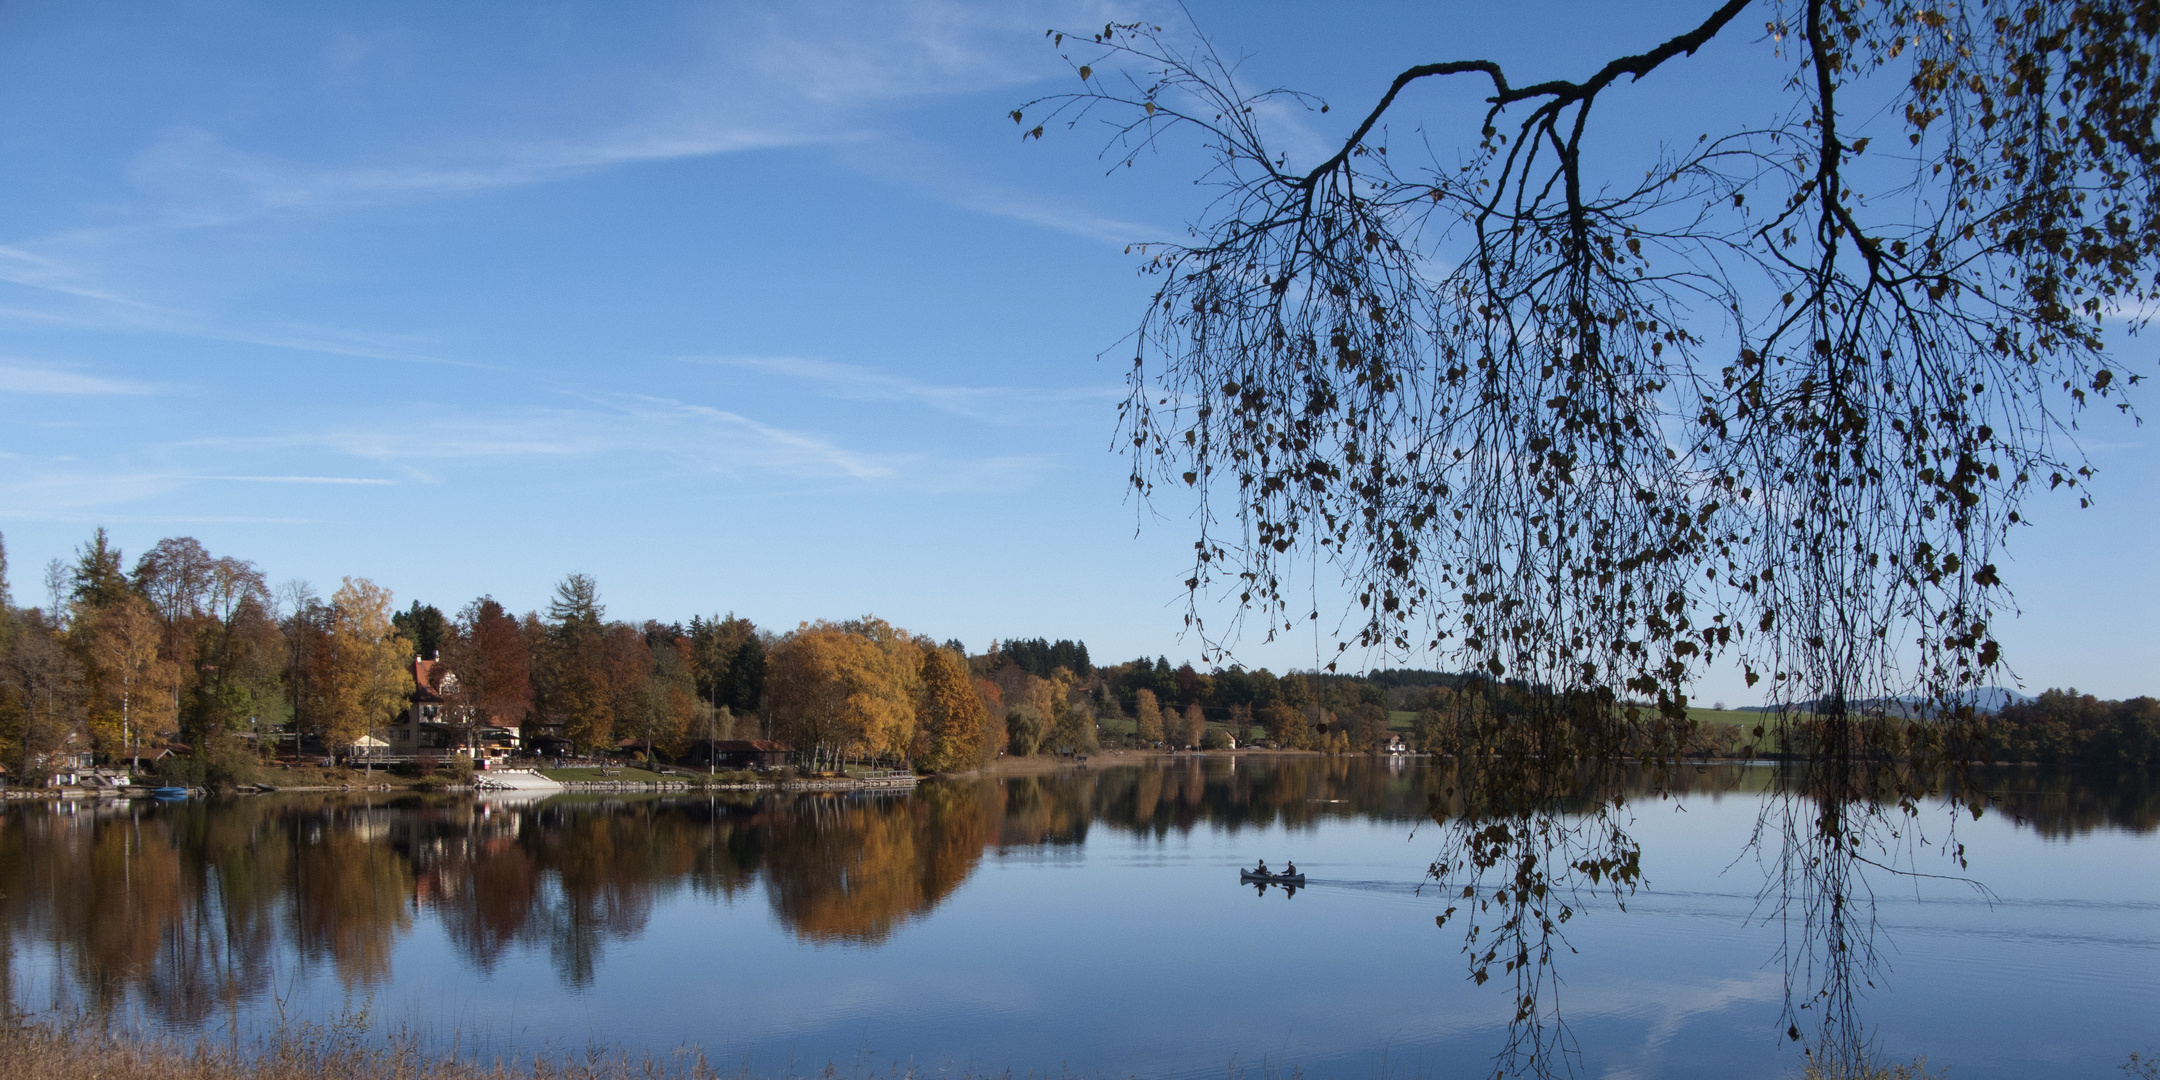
169, 793
1271, 879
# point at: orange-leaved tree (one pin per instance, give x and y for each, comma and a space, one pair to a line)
489, 656
1194, 728
626, 670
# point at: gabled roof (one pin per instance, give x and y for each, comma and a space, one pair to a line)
428, 677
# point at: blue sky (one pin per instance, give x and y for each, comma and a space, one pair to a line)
760, 308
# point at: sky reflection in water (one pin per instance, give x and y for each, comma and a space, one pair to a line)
1089, 921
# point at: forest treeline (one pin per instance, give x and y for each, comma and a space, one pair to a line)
181, 650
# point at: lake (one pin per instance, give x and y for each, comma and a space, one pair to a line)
1091, 921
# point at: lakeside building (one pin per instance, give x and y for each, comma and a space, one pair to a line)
433, 724
738, 754
74, 765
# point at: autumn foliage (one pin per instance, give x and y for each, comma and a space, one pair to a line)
951, 734
367, 678
845, 688
1150, 730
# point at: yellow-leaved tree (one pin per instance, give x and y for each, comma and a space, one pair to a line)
1072, 727
124, 642
846, 689
1289, 727
951, 715
1149, 730
890, 686
367, 674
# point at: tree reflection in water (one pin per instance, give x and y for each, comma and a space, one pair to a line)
1529, 845
186, 911
1521, 851
1528, 838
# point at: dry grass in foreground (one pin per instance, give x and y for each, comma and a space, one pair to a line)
61, 1052
40, 1052
1918, 1070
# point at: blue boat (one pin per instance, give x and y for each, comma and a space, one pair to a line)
169, 794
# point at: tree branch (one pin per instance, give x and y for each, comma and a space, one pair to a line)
1638, 66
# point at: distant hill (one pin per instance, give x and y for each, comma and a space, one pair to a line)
1987, 699
1388, 678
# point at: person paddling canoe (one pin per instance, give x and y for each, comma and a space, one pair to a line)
1262, 872
1289, 870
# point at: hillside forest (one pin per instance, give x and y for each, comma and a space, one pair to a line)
182, 653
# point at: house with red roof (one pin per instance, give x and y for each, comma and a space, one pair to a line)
435, 724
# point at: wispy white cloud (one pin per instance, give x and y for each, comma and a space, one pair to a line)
1010, 472
106, 517
368, 481
920, 167
641, 434
87, 304
643, 427
1289, 129
849, 55
218, 184
846, 52
732, 81
34, 491
38, 270
721, 438
603, 438
16, 378
420, 436
725, 442
1036, 209
58, 489
1677, 1006
997, 403
2132, 311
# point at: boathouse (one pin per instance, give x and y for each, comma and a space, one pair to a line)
739, 754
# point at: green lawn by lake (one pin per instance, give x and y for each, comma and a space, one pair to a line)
1405, 721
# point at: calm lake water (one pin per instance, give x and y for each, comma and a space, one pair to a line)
1089, 922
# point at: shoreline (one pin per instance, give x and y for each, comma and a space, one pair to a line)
1043, 764
140, 792
1003, 766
